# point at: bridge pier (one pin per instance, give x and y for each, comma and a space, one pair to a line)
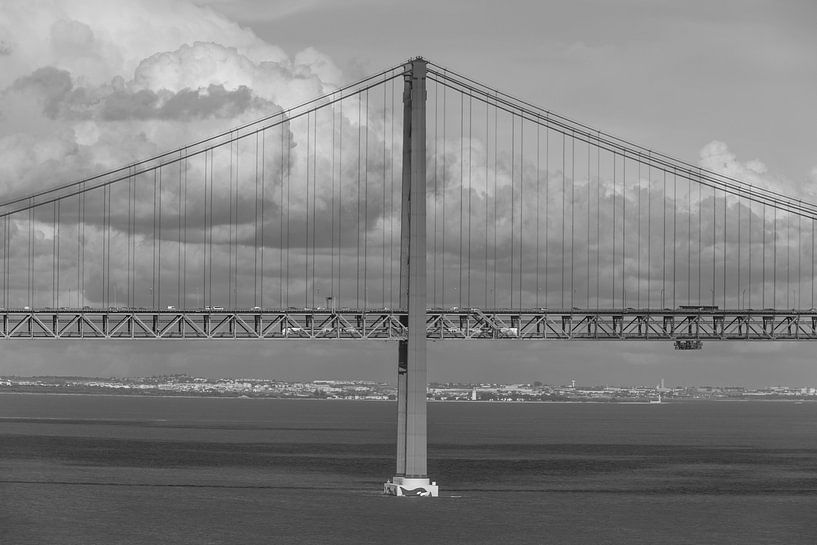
411, 477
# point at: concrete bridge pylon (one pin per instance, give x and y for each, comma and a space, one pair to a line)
411, 478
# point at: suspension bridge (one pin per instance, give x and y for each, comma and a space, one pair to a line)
416, 204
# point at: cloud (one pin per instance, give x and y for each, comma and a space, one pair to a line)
49, 85
5, 48
99, 40
717, 157
113, 84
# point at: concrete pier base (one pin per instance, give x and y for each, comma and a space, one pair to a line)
407, 486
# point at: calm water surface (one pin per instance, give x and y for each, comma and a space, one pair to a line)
109, 469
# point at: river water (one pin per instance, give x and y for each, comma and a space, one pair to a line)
117, 469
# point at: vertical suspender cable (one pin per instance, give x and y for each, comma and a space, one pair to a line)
763, 268
572, 213
674, 236
340, 197
740, 264
547, 202
55, 263
332, 229
230, 302
613, 232
235, 226
313, 179
436, 193
664, 236
204, 239
314, 201
513, 208
153, 248
444, 191
623, 226
281, 226
598, 218
184, 232
638, 237
436, 196
104, 233
496, 199
486, 203
383, 210
110, 228
391, 191
485, 255
366, 208
774, 256
788, 267
724, 249
54, 257
263, 206
538, 189
359, 128
79, 245
288, 211
84, 215
521, 202
799, 259
714, 239
7, 263
689, 240
57, 238
255, 230
210, 241
130, 236
179, 237
470, 127
564, 191
306, 214
159, 260
587, 191
700, 237
30, 264
649, 233
462, 195
133, 204
5, 260
749, 281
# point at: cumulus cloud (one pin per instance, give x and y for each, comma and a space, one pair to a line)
717, 157
97, 40
91, 85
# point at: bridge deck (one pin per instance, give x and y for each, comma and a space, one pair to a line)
453, 323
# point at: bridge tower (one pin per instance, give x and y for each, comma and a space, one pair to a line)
412, 384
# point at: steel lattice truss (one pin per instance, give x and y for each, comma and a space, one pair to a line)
472, 324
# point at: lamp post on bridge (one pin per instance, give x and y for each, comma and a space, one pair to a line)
411, 478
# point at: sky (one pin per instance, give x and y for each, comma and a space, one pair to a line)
87, 85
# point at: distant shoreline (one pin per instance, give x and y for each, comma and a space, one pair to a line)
487, 401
